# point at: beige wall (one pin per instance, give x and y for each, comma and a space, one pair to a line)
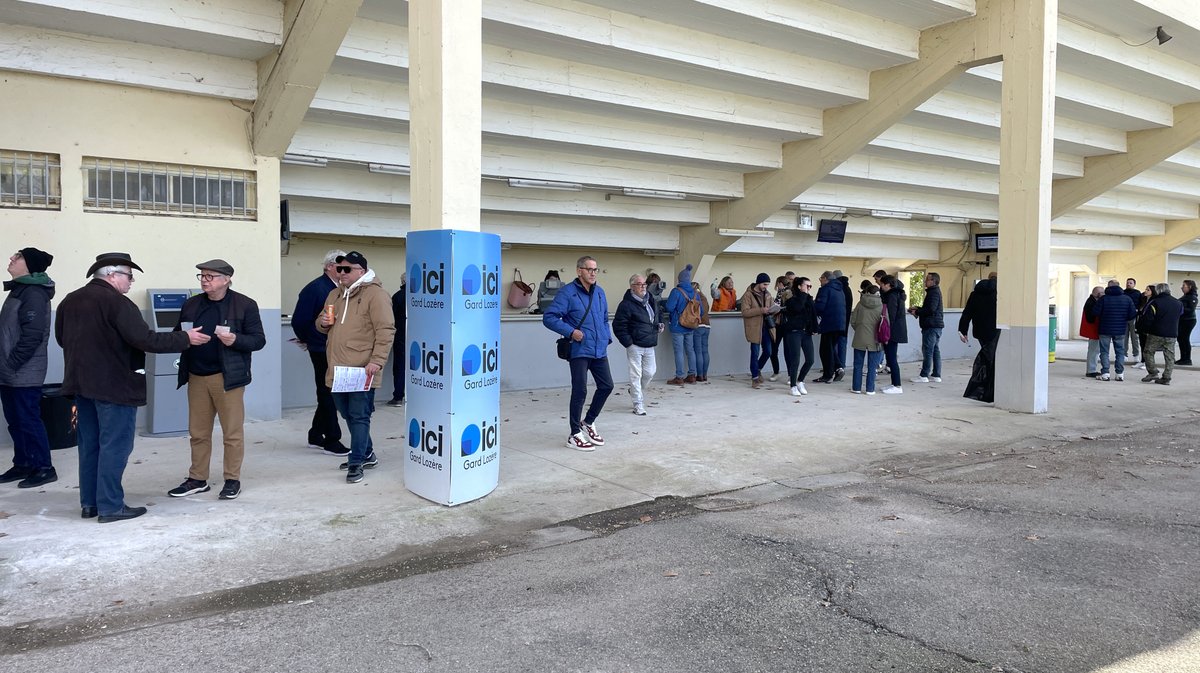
74, 118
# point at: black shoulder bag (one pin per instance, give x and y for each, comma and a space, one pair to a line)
564, 343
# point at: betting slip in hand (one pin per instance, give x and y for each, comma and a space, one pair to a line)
350, 380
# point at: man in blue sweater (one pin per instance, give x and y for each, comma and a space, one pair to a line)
324, 431
579, 312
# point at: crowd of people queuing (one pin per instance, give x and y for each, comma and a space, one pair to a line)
1133, 325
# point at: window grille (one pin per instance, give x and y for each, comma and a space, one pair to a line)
115, 185
30, 180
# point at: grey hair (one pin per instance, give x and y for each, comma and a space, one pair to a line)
1163, 288
584, 260
1113, 282
331, 257
635, 278
106, 271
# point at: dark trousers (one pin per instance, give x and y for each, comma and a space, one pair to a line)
325, 429
23, 413
778, 339
828, 354
105, 432
1185, 339
890, 350
399, 364
795, 343
604, 386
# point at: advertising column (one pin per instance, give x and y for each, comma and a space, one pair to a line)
453, 387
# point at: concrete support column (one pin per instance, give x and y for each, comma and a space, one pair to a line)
446, 95
1030, 28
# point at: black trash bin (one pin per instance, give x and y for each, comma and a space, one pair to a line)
58, 415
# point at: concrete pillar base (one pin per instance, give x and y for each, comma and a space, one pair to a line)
1022, 365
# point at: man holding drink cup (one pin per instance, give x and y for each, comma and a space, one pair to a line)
216, 374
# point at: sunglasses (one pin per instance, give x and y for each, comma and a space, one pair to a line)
345, 269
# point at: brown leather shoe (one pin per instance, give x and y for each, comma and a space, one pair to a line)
702, 379
675, 381
690, 379
756, 382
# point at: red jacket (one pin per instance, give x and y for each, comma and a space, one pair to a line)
1089, 325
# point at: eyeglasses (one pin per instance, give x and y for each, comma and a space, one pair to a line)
638, 285
125, 273
345, 269
208, 277
589, 269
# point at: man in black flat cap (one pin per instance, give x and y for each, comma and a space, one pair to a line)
105, 341
24, 333
216, 374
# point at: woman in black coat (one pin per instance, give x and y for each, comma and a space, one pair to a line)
895, 302
1187, 322
798, 325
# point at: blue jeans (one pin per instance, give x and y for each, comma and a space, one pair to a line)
872, 358
931, 352
1118, 346
105, 432
890, 350
702, 359
684, 346
604, 386
23, 412
760, 353
357, 408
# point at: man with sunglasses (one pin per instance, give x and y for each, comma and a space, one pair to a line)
216, 374
105, 340
360, 333
579, 312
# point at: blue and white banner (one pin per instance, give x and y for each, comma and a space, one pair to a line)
453, 349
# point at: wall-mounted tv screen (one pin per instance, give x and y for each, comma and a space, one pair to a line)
831, 231
987, 242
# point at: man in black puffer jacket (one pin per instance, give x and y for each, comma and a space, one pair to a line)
637, 324
1115, 310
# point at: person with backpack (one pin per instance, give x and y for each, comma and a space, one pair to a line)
685, 311
865, 319
756, 308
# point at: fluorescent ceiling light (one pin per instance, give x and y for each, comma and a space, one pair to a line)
988, 225
821, 209
545, 184
748, 233
304, 160
654, 193
390, 169
811, 258
894, 214
951, 220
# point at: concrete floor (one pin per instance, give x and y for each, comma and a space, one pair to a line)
298, 517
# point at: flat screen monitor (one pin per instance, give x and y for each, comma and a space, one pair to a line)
831, 231
987, 242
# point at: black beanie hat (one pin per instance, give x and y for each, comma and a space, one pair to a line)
36, 260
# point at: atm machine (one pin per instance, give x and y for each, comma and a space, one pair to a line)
166, 406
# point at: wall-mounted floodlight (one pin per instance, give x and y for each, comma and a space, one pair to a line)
304, 160
545, 184
389, 169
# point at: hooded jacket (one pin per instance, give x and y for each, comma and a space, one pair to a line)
754, 308
831, 307
25, 330
1115, 311
105, 340
896, 301
636, 322
677, 301
569, 311
865, 320
363, 329
980, 310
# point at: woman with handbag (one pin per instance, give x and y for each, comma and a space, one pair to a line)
865, 320
757, 307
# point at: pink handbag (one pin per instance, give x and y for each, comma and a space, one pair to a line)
520, 293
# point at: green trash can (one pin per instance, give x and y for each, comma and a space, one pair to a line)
1053, 331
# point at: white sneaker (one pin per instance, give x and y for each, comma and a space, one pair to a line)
1140, 365
580, 442
1105, 377
856, 392
803, 390
893, 390
639, 410
593, 436
870, 392
1120, 377
773, 377
935, 379
795, 391
919, 379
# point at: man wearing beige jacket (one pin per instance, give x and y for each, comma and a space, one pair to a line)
360, 331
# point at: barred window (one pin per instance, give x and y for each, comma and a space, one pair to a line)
115, 185
30, 180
